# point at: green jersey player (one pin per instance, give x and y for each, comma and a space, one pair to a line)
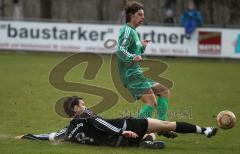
129, 51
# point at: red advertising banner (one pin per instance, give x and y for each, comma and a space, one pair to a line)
209, 43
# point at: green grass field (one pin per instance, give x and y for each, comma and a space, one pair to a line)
202, 88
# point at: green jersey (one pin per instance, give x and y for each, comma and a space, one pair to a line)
131, 74
129, 46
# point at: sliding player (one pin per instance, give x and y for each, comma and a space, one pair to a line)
88, 128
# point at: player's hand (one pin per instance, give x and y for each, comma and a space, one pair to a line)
18, 137
137, 59
129, 134
145, 42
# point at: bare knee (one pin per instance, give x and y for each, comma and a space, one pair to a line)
161, 90
155, 125
149, 98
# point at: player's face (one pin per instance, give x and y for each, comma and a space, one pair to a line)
191, 5
137, 18
80, 107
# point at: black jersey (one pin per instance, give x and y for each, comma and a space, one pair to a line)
93, 130
88, 128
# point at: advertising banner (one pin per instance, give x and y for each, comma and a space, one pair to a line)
102, 38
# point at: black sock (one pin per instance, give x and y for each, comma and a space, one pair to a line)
203, 129
183, 127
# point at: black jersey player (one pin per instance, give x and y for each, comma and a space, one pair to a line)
88, 128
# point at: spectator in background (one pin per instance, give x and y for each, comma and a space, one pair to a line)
17, 10
191, 19
122, 16
169, 17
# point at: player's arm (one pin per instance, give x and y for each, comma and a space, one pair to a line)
144, 45
53, 136
60, 135
124, 43
35, 137
143, 49
105, 126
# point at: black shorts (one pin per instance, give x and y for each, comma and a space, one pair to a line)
138, 126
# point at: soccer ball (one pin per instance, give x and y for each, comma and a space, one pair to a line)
226, 119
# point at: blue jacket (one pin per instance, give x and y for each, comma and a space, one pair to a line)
191, 19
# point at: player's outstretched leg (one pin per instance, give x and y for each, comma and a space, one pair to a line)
155, 125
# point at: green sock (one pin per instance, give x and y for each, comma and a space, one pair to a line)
146, 111
162, 108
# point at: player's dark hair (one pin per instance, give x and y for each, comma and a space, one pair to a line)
69, 105
131, 8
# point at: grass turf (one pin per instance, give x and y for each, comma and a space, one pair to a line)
202, 88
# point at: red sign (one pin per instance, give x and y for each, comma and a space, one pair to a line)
209, 43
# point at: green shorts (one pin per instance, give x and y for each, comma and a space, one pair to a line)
138, 84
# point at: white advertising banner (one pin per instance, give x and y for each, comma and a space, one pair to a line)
231, 43
54, 36
168, 41
72, 37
